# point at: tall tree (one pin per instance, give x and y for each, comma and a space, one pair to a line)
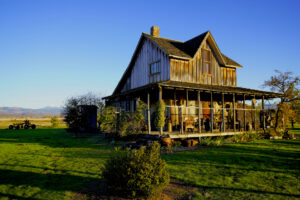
287, 85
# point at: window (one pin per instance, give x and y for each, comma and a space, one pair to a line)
155, 67
206, 60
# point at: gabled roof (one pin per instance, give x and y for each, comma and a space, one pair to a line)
177, 49
187, 50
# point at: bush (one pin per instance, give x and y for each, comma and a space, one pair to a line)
132, 123
108, 119
159, 120
54, 121
137, 173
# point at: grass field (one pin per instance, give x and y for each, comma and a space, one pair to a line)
51, 164
40, 122
48, 163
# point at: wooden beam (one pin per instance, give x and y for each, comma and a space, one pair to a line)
211, 113
148, 112
234, 114
223, 110
199, 119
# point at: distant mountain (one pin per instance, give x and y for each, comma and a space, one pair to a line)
29, 112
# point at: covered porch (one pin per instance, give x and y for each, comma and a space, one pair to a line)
193, 109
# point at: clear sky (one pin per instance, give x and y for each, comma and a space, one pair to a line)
54, 49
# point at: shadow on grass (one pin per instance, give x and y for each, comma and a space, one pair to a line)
231, 189
245, 157
56, 138
48, 181
10, 196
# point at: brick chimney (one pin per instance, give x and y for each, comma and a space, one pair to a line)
155, 31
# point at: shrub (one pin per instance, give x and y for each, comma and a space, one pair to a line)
108, 119
131, 123
54, 121
159, 120
137, 173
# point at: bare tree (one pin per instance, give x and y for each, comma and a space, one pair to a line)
285, 84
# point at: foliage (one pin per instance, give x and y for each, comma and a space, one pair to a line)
125, 123
159, 119
108, 119
54, 121
137, 173
72, 114
285, 84
132, 123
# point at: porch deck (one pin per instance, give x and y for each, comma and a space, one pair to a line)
178, 135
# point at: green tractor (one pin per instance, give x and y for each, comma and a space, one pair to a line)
26, 125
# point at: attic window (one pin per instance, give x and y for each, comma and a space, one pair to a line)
206, 59
155, 67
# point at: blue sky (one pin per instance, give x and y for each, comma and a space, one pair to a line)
54, 49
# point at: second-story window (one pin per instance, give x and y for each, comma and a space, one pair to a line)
206, 59
155, 68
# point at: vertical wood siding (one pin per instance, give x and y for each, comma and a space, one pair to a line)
140, 73
192, 71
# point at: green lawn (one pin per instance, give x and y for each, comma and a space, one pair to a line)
47, 163
51, 164
265, 169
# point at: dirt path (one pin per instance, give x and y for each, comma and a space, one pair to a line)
176, 190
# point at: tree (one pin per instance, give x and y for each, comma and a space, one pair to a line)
72, 114
285, 84
159, 120
54, 121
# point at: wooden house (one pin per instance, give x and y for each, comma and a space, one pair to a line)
197, 82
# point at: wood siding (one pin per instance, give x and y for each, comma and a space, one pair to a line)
140, 73
193, 70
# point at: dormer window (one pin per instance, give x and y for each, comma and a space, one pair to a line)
155, 67
206, 61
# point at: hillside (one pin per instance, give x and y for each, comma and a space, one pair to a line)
29, 112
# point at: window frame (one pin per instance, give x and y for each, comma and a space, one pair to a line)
206, 65
156, 67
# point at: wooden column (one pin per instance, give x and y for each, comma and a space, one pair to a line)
234, 114
223, 117
211, 113
159, 93
175, 107
148, 112
159, 99
244, 107
253, 111
199, 119
263, 111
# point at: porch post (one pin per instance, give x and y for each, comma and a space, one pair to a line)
159, 93
199, 120
223, 117
175, 108
253, 111
263, 111
244, 107
148, 112
234, 114
159, 99
211, 113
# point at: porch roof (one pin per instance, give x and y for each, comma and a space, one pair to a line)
201, 87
